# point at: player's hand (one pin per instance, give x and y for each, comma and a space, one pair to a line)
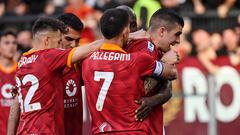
171, 57
14, 91
145, 108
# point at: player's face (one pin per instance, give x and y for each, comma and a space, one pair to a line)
8, 46
71, 39
170, 38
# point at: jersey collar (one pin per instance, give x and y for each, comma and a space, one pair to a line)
29, 52
112, 47
9, 70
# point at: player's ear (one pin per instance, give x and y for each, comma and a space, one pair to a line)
126, 30
161, 31
46, 41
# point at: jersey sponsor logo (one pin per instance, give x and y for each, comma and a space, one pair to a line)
6, 90
71, 89
111, 56
6, 93
27, 60
70, 103
105, 127
71, 83
150, 47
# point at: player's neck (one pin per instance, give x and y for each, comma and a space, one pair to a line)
37, 46
6, 62
114, 41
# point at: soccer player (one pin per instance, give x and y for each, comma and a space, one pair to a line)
39, 78
165, 30
73, 113
108, 75
8, 48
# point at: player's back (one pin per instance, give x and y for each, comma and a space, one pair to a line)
7, 81
113, 83
39, 79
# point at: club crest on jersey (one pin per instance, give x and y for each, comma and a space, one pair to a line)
150, 47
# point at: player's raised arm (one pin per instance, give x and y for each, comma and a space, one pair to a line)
79, 53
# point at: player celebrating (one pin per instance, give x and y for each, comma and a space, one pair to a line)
8, 48
73, 113
39, 80
108, 76
165, 30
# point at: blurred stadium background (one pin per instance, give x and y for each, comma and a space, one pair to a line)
206, 96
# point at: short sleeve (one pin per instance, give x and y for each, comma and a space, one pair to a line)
143, 46
58, 58
148, 66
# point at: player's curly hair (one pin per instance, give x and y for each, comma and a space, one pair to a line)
47, 23
113, 22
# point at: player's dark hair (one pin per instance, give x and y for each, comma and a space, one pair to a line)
132, 17
72, 21
8, 32
165, 17
113, 22
46, 23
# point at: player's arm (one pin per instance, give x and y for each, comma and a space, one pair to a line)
170, 58
148, 103
79, 53
13, 119
140, 34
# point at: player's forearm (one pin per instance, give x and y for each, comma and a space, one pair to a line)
164, 92
81, 52
13, 119
163, 95
140, 34
149, 84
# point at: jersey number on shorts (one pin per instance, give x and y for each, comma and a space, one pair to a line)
25, 104
108, 77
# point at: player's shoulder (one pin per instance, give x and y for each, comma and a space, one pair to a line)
141, 45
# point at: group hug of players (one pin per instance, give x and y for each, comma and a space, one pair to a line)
127, 76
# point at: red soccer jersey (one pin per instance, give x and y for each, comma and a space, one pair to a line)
7, 81
39, 79
73, 113
108, 75
145, 46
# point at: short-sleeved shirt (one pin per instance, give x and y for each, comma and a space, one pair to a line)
7, 81
109, 75
73, 113
147, 47
40, 91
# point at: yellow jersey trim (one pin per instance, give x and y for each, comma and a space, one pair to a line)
9, 70
112, 47
69, 60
